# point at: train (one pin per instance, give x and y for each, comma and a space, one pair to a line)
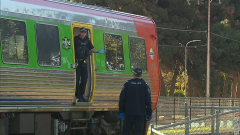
37, 74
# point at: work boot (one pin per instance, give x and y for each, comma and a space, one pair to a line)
82, 99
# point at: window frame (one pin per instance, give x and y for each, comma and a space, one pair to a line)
106, 51
14, 63
130, 52
58, 40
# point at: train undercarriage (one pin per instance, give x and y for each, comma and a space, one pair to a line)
79, 119
61, 123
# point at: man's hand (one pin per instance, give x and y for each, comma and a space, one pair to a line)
148, 117
121, 115
101, 51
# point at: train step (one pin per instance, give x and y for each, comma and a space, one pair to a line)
82, 103
80, 120
78, 128
78, 123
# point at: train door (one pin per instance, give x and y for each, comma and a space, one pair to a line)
90, 60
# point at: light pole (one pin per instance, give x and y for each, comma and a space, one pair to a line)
186, 64
208, 49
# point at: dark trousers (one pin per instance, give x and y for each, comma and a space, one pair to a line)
135, 123
82, 72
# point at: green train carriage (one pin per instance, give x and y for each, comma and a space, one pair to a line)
37, 55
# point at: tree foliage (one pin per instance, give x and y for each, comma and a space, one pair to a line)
178, 14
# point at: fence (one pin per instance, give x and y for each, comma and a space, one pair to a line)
201, 117
172, 110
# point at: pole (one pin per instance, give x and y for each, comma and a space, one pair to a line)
186, 66
179, 85
208, 50
185, 83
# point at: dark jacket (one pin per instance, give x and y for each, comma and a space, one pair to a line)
82, 47
135, 98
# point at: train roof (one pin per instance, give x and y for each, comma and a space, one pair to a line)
99, 8
75, 7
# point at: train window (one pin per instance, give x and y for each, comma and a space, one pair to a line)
114, 52
13, 37
48, 45
137, 51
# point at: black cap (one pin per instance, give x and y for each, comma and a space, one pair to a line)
137, 71
83, 29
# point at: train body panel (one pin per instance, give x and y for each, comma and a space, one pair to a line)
34, 82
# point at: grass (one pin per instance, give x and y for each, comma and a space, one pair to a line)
201, 130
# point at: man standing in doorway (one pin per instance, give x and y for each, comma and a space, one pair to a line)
82, 47
135, 104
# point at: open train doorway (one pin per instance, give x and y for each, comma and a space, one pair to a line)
89, 62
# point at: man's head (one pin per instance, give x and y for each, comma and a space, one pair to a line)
137, 73
83, 32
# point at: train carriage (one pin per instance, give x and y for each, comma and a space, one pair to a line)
37, 74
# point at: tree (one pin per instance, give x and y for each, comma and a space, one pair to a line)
177, 14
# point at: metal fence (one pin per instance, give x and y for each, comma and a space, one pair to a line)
172, 110
197, 116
